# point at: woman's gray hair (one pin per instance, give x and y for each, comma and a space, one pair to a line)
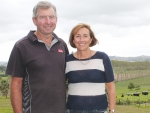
43, 5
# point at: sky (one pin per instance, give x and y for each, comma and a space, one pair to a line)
122, 27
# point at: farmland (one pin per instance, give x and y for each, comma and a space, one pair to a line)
126, 73
127, 103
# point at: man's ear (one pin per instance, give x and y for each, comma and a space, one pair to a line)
34, 20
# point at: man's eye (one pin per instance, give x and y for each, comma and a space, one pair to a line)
42, 17
52, 17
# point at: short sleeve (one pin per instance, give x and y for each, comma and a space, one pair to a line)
109, 75
15, 65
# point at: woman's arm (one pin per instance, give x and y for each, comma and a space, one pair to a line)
110, 87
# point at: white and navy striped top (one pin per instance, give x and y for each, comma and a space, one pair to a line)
86, 89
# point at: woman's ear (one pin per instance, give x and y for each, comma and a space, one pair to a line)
91, 40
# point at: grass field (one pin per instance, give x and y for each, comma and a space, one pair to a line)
121, 88
130, 109
143, 82
5, 107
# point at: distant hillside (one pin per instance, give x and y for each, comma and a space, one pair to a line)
130, 59
3, 63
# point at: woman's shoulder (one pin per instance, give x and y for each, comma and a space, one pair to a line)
101, 53
70, 57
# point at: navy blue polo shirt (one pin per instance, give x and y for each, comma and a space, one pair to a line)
43, 73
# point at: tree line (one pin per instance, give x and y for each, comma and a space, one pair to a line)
122, 65
118, 66
2, 68
128, 70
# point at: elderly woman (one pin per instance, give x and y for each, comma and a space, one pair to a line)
89, 73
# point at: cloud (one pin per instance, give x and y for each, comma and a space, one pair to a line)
115, 23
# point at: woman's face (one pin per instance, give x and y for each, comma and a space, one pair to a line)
82, 39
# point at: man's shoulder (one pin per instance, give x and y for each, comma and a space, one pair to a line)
21, 41
24, 39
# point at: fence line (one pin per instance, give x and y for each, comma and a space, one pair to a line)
126, 75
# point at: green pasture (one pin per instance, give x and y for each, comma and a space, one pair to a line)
141, 101
1, 71
130, 109
129, 104
5, 106
5, 78
143, 82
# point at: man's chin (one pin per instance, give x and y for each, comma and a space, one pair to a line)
48, 33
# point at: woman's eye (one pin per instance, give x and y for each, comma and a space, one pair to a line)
77, 36
86, 35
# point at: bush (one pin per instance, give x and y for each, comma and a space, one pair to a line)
119, 102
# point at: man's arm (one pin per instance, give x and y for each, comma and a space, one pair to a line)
16, 94
111, 95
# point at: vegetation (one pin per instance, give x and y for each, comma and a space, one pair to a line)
126, 66
129, 70
137, 97
4, 86
2, 68
5, 105
132, 78
131, 86
125, 103
130, 109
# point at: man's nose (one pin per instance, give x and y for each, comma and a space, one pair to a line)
48, 20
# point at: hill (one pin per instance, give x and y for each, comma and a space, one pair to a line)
127, 59
3, 63
131, 59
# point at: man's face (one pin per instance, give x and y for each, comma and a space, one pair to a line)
45, 21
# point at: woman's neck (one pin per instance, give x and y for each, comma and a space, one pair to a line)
83, 54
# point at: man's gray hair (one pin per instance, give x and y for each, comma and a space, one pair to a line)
43, 5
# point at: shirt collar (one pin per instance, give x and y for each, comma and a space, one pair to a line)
33, 37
